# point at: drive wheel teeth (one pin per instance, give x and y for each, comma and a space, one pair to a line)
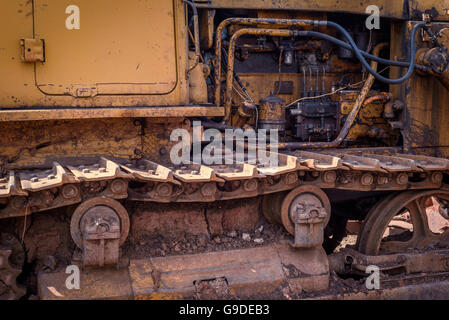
9, 289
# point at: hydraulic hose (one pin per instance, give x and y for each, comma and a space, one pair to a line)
363, 61
350, 119
196, 34
295, 23
345, 45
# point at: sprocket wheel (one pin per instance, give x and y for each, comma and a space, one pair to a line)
12, 258
409, 220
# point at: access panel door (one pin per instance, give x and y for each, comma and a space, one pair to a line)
106, 47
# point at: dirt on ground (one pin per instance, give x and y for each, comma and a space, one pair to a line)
162, 230
159, 246
159, 230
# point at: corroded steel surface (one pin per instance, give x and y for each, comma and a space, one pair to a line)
194, 183
12, 258
250, 273
247, 272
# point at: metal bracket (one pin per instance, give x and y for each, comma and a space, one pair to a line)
310, 219
101, 237
33, 50
349, 261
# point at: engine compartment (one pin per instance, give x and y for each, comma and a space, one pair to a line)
303, 86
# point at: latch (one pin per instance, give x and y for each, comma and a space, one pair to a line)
32, 50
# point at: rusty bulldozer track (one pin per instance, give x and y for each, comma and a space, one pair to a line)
100, 225
26, 192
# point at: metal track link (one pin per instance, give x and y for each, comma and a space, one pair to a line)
28, 191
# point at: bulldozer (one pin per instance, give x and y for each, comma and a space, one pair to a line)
174, 149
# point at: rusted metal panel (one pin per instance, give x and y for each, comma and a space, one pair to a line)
118, 112
425, 126
36, 143
422, 291
393, 9
350, 260
247, 272
438, 9
258, 268
94, 284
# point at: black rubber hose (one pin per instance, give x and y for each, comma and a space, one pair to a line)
349, 47
359, 54
193, 6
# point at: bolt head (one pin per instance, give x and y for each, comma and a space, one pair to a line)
70, 191
402, 179
367, 179
164, 189
250, 185
291, 178
118, 186
330, 177
208, 189
437, 177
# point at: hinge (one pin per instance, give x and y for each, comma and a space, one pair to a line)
32, 50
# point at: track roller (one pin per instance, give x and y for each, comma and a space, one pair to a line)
98, 227
304, 212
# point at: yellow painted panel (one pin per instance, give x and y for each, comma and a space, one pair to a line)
16, 22
120, 47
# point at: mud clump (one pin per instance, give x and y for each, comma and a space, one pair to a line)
215, 289
153, 219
